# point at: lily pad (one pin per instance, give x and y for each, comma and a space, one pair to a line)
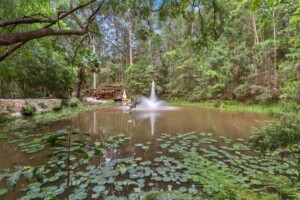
3, 191
99, 189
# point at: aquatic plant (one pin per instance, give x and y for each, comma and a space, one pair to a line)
195, 165
69, 152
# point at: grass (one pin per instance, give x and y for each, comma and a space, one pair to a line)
65, 112
50, 116
232, 106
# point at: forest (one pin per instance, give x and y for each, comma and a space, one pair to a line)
228, 74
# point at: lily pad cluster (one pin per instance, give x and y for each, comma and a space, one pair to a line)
200, 165
221, 164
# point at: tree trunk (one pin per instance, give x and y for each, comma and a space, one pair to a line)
79, 83
256, 40
130, 46
275, 49
94, 73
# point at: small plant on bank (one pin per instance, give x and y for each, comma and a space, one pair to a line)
74, 103
43, 106
28, 110
57, 107
5, 118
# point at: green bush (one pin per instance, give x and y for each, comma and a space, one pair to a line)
265, 96
4, 118
43, 106
242, 91
74, 103
65, 102
291, 91
28, 110
57, 107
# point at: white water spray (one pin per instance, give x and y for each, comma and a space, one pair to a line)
153, 102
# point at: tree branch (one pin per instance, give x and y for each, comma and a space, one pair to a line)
17, 37
91, 18
70, 12
24, 20
75, 16
10, 51
23, 37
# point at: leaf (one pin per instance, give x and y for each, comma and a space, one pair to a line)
3, 191
99, 189
3, 175
12, 181
29, 174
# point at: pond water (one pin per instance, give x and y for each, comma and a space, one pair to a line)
146, 125
142, 127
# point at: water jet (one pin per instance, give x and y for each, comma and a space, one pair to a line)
152, 102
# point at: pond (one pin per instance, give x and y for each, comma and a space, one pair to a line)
143, 126
145, 133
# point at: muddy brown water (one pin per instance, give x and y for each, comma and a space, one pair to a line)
144, 126
141, 126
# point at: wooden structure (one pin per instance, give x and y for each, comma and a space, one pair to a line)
109, 92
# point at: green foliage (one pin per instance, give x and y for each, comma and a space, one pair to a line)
28, 110
242, 92
229, 171
74, 103
57, 107
291, 91
278, 135
169, 196
37, 70
5, 118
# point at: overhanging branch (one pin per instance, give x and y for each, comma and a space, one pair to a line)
25, 20
20, 38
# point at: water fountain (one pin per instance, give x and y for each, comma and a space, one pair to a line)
152, 102
150, 108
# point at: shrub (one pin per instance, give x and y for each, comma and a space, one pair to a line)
28, 110
65, 102
242, 91
291, 91
74, 103
57, 107
43, 106
5, 117
265, 96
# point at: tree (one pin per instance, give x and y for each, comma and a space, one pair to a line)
19, 38
86, 61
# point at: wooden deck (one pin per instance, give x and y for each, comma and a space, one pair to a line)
108, 92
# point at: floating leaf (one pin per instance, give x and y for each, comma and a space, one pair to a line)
3, 191
12, 181
99, 189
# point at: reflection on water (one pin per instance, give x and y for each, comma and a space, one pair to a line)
151, 116
143, 124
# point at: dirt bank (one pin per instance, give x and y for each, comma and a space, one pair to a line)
14, 105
